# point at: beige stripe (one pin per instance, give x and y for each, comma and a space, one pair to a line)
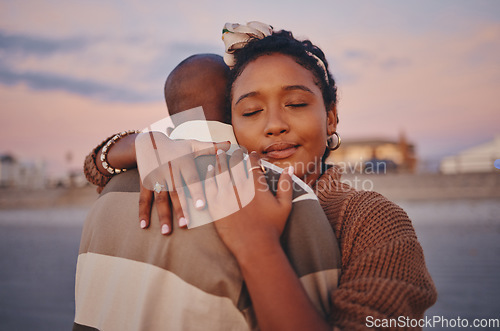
196, 255
307, 196
131, 295
318, 286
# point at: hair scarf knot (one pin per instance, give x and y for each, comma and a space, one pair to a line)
236, 36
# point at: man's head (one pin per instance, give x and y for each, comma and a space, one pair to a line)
199, 80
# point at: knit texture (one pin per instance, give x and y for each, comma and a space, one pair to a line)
91, 171
383, 267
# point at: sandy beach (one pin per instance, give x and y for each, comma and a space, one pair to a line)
40, 233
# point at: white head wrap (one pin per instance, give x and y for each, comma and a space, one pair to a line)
236, 36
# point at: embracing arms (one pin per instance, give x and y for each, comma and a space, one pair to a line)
122, 155
278, 297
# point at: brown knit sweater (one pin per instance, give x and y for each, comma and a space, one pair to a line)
383, 268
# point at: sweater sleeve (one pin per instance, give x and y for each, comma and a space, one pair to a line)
383, 267
90, 170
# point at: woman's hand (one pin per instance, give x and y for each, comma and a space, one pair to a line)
248, 217
167, 205
252, 233
167, 166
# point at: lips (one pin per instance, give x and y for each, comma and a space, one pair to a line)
280, 150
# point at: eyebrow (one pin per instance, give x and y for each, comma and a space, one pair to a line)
297, 87
246, 95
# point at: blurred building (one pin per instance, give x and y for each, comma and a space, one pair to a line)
375, 155
480, 158
14, 173
7, 169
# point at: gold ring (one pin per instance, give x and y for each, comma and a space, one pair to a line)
261, 167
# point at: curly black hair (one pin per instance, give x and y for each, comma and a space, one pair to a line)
283, 42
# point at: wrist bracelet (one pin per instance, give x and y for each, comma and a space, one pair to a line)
105, 150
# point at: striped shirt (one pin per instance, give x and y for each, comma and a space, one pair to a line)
133, 279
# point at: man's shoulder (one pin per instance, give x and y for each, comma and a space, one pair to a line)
128, 181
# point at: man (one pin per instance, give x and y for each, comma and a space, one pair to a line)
134, 279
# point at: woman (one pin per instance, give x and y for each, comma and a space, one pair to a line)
283, 107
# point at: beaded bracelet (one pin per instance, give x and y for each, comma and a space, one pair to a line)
105, 149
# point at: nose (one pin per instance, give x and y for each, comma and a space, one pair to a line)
276, 122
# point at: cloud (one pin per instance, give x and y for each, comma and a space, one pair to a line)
194, 48
350, 62
370, 58
26, 44
358, 54
128, 69
395, 62
171, 54
77, 65
89, 88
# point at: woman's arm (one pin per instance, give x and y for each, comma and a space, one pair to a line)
121, 156
252, 234
384, 274
279, 300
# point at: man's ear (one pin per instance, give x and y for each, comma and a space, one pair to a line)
331, 120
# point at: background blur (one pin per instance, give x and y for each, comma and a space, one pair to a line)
74, 72
418, 84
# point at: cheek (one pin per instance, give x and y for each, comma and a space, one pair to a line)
316, 131
245, 135
316, 143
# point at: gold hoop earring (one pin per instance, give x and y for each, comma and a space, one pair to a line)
331, 144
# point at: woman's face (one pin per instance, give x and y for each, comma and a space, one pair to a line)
278, 111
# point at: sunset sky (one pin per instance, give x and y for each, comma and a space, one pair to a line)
74, 72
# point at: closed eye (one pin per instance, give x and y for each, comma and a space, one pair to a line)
250, 113
297, 105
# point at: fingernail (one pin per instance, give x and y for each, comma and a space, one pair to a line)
210, 167
290, 170
182, 222
199, 204
164, 229
143, 224
220, 151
